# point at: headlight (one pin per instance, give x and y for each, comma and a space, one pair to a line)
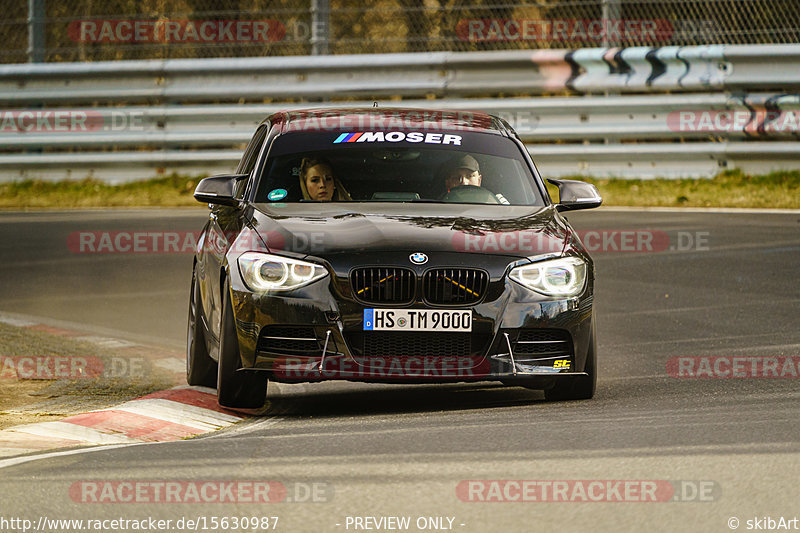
565, 276
267, 272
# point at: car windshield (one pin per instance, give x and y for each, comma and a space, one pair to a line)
397, 166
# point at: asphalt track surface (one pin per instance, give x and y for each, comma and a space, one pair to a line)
386, 451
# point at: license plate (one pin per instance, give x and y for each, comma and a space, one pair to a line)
417, 320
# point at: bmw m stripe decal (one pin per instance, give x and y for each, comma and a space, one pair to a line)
347, 137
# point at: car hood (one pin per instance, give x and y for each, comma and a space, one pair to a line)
323, 230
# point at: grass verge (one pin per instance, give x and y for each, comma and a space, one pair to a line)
171, 191
731, 188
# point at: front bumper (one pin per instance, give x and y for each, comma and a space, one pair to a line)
315, 333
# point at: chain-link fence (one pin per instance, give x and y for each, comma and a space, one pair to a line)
85, 30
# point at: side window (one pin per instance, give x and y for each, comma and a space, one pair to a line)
251, 153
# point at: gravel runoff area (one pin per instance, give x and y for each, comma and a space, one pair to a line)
49, 373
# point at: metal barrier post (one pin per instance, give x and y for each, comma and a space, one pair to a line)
36, 42
320, 27
611, 11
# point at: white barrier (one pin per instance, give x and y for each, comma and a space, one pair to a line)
629, 112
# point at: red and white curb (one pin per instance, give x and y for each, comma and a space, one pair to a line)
162, 416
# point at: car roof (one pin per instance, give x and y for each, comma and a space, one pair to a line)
396, 118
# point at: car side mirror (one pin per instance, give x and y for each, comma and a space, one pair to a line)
573, 195
219, 190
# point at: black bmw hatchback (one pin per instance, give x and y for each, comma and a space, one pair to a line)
389, 245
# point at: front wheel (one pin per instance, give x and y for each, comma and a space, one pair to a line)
200, 368
235, 389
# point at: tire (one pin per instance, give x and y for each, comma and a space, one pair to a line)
235, 389
200, 368
582, 387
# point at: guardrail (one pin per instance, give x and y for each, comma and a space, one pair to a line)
664, 130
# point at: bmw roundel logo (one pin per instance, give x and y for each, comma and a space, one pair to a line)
418, 258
